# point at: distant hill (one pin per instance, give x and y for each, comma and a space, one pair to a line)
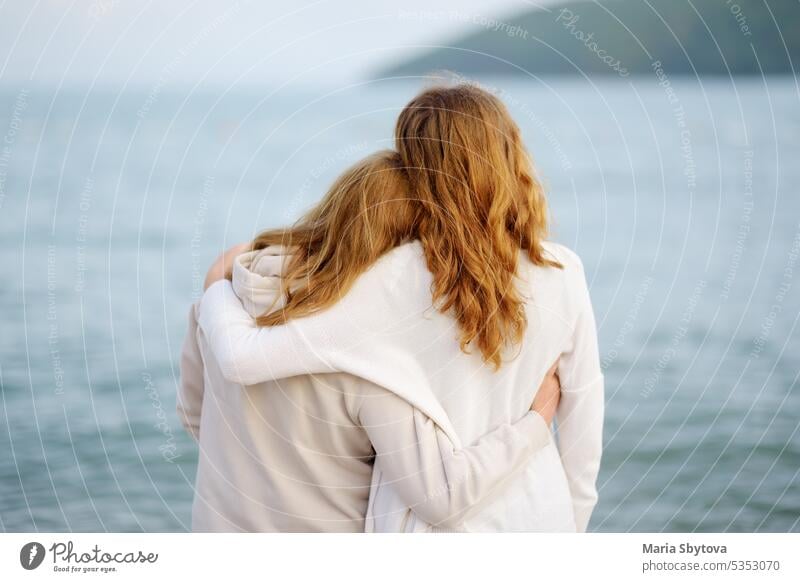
622, 37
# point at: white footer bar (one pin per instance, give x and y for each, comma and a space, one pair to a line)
384, 558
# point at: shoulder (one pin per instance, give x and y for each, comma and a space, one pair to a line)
398, 265
570, 274
568, 258
405, 254
567, 284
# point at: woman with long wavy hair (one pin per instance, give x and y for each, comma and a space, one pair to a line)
462, 319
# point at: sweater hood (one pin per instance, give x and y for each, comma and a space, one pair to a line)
256, 279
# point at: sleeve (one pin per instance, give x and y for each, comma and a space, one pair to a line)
190, 386
441, 484
241, 347
580, 412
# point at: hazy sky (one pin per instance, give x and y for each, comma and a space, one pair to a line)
174, 41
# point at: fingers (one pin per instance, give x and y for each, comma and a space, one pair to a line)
223, 265
231, 255
553, 371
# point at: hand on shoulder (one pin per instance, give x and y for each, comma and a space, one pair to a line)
223, 265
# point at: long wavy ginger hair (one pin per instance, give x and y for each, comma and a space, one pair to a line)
481, 204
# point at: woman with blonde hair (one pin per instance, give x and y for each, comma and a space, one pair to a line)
464, 320
296, 453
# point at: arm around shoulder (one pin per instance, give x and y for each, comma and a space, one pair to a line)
443, 485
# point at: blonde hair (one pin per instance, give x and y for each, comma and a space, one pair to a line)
366, 213
481, 203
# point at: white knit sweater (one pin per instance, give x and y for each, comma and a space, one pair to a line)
387, 331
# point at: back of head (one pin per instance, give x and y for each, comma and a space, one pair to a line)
366, 213
480, 205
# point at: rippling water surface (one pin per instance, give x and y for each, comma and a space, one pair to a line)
683, 204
